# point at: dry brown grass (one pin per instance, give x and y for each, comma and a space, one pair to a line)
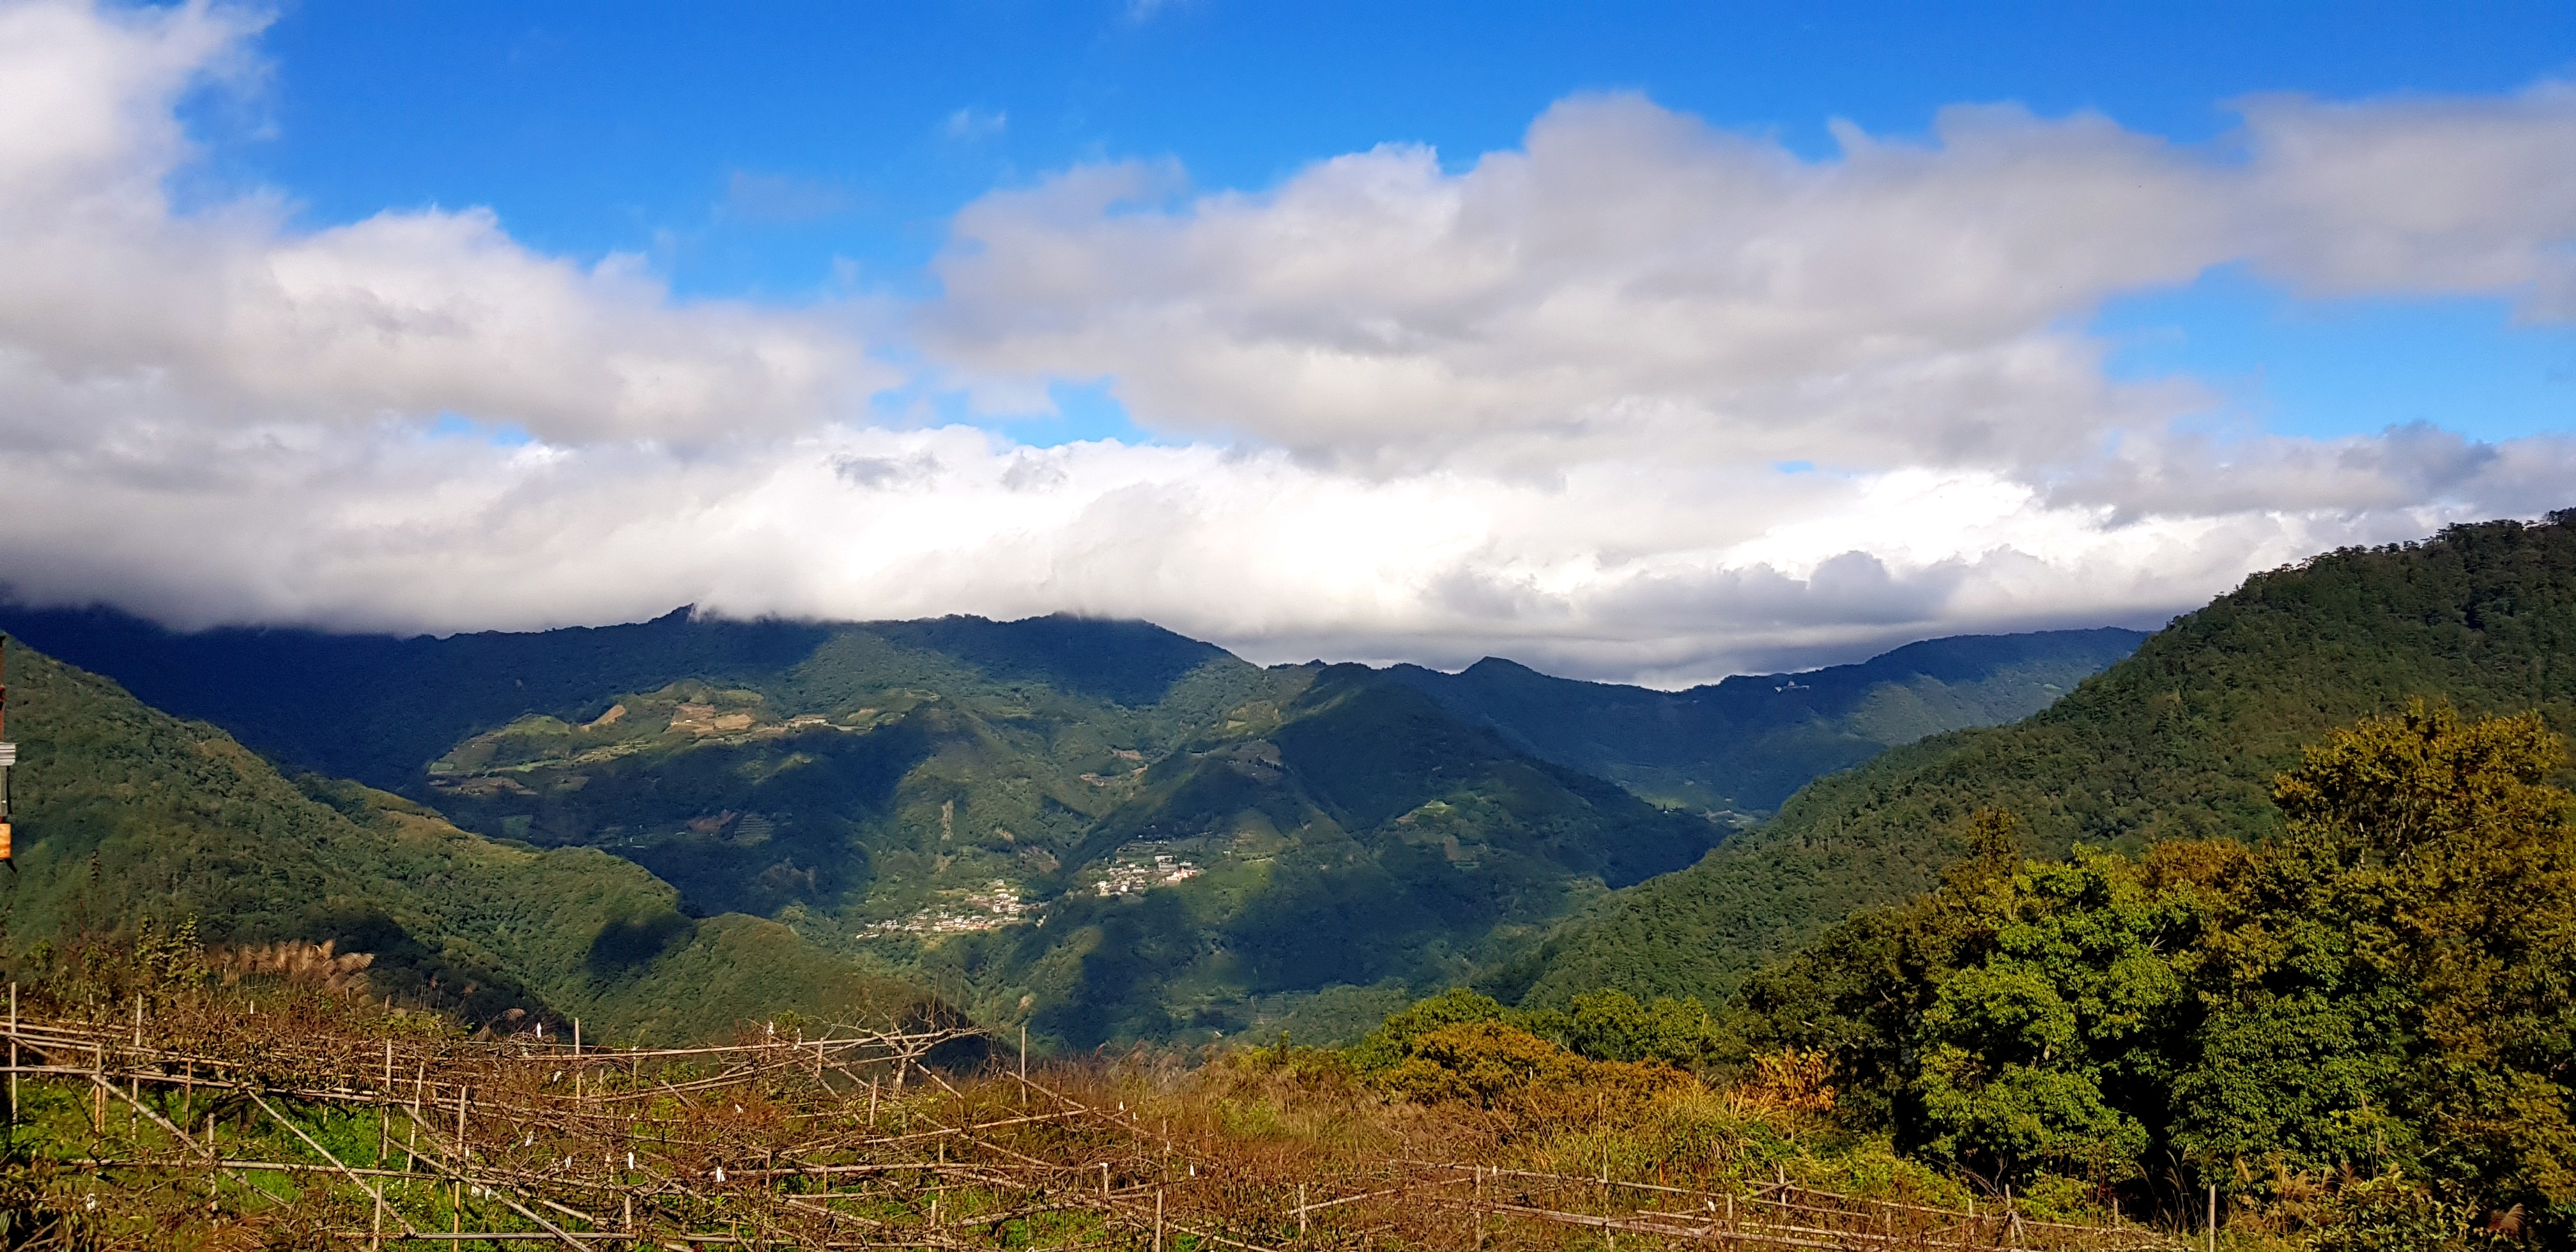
309, 966
212, 1126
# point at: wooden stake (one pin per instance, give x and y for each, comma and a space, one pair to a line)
384, 1110
2213, 1217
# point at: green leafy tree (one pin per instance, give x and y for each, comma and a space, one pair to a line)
2400, 987
1612, 1026
2057, 1050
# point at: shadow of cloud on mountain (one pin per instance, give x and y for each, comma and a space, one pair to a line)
1129, 663
629, 943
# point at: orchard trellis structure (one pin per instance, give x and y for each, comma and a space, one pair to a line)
847, 1139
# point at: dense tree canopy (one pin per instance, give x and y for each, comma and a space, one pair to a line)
2385, 989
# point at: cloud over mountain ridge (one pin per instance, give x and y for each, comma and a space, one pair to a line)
1557, 403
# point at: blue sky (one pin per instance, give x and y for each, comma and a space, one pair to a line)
1631, 341
789, 150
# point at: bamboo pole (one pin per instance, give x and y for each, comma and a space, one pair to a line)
373, 1192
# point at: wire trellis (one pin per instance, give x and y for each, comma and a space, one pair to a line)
848, 1138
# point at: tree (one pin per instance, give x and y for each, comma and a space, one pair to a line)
2057, 1050
2400, 983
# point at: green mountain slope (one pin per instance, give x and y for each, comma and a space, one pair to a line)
2180, 739
1101, 828
1364, 836
1047, 854
126, 813
1747, 743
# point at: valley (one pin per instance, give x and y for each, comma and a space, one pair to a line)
2288, 882
1101, 829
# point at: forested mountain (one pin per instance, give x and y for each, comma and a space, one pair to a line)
124, 813
1101, 828
1359, 835
2181, 739
1745, 744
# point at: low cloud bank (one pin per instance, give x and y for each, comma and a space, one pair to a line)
1640, 399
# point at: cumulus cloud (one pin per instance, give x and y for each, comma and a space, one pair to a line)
2439, 196
118, 311
1538, 407
1632, 279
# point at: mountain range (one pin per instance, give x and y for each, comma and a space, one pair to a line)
2181, 739
1102, 829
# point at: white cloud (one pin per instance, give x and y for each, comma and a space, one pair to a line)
970, 124
117, 311
2413, 195
1631, 276
1632, 279
1531, 408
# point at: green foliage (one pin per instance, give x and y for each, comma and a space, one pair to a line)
2409, 942
2047, 1052
128, 817
1609, 1026
1612, 1026
2390, 1213
909, 793
1392, 1041
2385, 990
1496, 1065
2179, 741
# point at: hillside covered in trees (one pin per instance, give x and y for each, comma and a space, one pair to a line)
2180, 740
129, 819
2357, 1033
1103, 830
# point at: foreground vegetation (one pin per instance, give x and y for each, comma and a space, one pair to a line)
163, 1108
2361, 1034
2361, 1031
